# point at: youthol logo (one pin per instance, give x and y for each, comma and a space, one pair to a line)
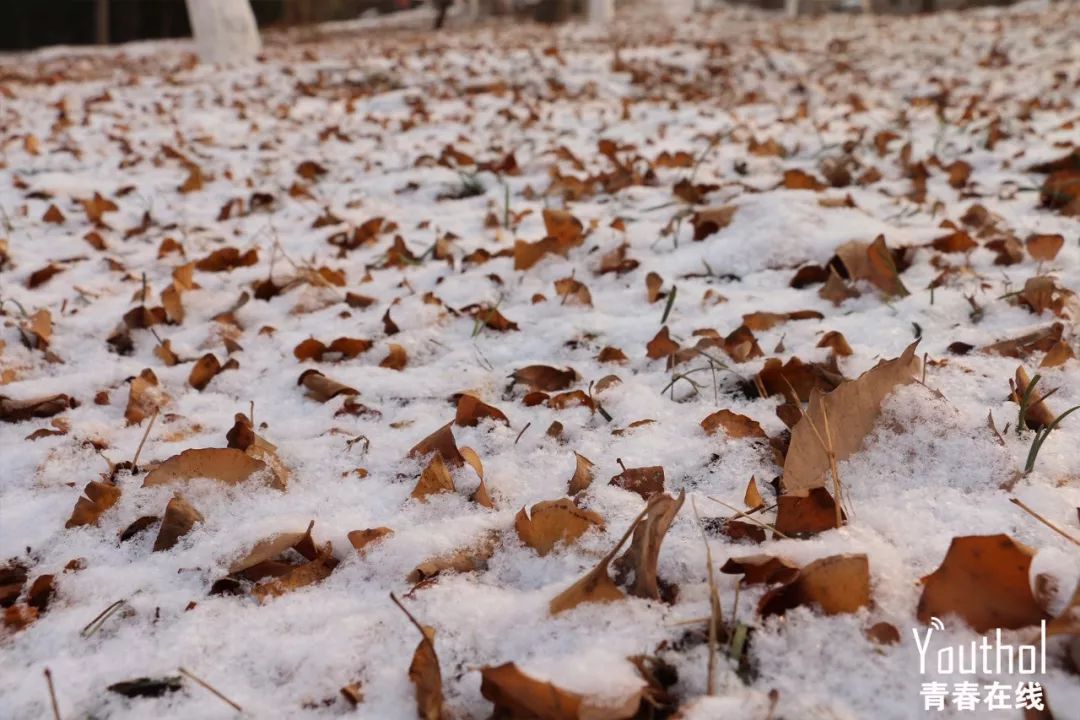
981, 658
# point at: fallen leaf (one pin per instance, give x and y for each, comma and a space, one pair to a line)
14, 411
144, 397
443, 444
322, 388
517, 696
583, 474
564, 227
761, 569
645, 481
272, 547
469, 558
180, 517
642, 556
471, 409
396, 359
709, 221
852, 410
1038, 415
434, 479
874, 263
734, 424
806, 512
835, 585
752, 497
1044, 248
984, 579
544, 378
96, 499
298, 576
227, 465
554, 521
361, 539
147, 686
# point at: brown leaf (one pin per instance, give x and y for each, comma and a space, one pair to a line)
545, 378
361, 539
874, 263
883, 633
984, 580
396, 359
653, 285
203, 371
734, 424
806, 512
836, 342
227, 258
554, 521
836, 584
179, 518
711, 220
194, 180
564, 227
661, 345
1058, 353
1044, 247
470, 410
342, 348
322, 388
517, 696
226, 465
14, 411
800, 180
97, 498
527, 254
761, 569
473, 556
1041, 340
434, 479
42, 276
959, 172
443, 444
97, 206
270, 548
298, 576
805, 379
573, 292
835, 290
957, 241
53, 215
1043, 293
583, 475
644, 552
752, 497
645, 481
852, 410
1038, 414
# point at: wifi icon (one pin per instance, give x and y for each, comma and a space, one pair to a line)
936, 623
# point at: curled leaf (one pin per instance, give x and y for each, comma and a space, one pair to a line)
552, 522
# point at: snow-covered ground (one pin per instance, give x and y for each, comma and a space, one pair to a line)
458, 142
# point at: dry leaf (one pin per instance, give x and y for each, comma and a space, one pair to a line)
852, 410
226, 465
806, 512
14, 411
271, 548
517, 696
470, 410
761, 569
835, 585
466, 559
1044, 248
396, 359
96, 499
752, 497
642, 556
554, 521
178, 520
298, 576
322, 388
984, 580
645, 481
734, 424
583, 474
874, 263
711, 220
434, 479
544, 378
1038, 415
144, 396
443, 444
361, 539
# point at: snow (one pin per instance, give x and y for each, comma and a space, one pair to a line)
930, 472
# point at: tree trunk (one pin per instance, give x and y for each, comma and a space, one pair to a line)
225, 30
101, 22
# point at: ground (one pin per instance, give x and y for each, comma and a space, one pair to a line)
380, 184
